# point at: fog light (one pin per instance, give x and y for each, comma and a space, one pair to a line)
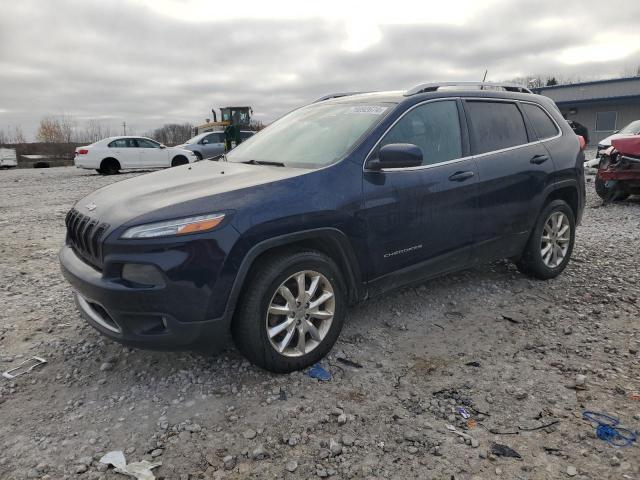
142, 275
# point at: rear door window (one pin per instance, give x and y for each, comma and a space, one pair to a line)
434, 127
495, 125
122, 143
542, 124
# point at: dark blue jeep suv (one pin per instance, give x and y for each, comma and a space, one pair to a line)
337, 201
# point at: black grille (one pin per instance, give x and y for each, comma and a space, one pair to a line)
84, 235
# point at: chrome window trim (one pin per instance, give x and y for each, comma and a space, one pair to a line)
480, 155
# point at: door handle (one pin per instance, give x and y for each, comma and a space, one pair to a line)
538, 159
461, 176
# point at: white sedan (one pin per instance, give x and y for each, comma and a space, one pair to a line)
113, 154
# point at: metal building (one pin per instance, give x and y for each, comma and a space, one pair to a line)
603, 106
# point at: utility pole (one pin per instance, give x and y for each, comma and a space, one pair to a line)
124, 128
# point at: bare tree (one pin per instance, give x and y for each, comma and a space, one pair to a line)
93, 131
56, 129
172, 133
16, 135
3, 137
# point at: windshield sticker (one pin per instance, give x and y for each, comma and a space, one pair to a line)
368, 109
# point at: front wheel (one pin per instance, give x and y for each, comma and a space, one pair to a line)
179, 160
606, 193
549, 248
292, 311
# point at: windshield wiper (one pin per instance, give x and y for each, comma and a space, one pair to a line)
264, 162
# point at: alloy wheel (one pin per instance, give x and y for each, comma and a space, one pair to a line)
556, 237
300, 313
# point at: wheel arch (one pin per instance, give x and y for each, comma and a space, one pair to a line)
330, 241
179, 158
110, 159
567, 191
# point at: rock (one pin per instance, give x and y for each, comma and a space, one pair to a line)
571, 471
85, 460
334, 447
475, 443
229, 462
258, 453
249, 434
291, 466
323, 453
193, 428
106, 366
293, 440
581, 380
156, 453
348, 440
80, 469
342, 419
412, 436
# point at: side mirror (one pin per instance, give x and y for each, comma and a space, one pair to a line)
162, 146
397, 155
205, 141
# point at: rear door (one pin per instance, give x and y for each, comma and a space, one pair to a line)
151, 154
419, 219
125, 151
514, 169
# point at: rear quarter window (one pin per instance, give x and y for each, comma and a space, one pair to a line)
495, 125
542, 124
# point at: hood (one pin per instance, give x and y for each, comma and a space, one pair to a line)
167, 193
606, 142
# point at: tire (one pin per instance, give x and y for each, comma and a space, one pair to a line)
262, 296
198, 155
179, 160
109, 166
99, 170
606, 194
532, 262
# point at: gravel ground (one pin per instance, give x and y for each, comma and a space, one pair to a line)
517, 354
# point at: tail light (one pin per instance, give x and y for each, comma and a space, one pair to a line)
82, 151
583, 143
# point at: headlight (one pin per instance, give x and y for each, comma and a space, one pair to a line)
180, 226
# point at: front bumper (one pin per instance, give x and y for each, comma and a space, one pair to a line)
169, 317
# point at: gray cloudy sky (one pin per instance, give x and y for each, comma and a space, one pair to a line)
151, 62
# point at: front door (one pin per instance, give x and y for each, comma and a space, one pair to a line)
152, 155
419, 220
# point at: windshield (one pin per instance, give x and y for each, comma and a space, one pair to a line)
196, 139
632, 129
312, 136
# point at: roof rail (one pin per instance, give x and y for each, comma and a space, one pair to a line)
337, 95
434, 87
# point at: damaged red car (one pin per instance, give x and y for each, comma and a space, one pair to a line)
618, 174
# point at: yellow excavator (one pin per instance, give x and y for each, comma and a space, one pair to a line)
232, 120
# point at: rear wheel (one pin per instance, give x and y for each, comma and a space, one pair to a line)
109, 166
549, 248
292, 311
179, 160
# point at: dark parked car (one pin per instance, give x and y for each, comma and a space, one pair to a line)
340, 200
